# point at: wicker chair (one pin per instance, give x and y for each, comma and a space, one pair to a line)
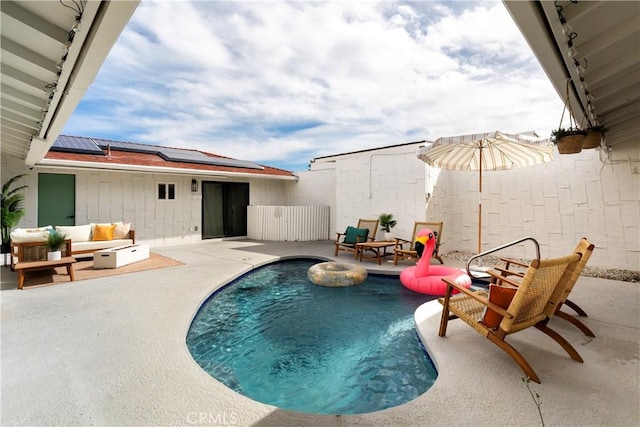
400, 253
350, 246
573, 273
531, 302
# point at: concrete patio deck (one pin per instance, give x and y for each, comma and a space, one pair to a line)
111, 351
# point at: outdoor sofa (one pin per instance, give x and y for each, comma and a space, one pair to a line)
85, 239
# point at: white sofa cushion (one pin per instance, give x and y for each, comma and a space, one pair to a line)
24, 235
77, 233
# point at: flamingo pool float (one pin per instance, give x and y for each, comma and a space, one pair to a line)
426, 278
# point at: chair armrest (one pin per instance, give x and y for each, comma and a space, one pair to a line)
495, 277
400, 243
481, 300
338, 236
505, 273
513, 261
132, 235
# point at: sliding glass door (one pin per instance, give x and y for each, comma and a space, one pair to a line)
224, 209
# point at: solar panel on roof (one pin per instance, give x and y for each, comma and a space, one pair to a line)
74, 144
130, 147
175, 155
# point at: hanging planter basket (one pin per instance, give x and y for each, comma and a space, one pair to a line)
570, 144
573, 139
593, 139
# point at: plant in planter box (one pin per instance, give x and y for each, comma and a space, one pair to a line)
569, 140
387, 223
54, 243
12, 210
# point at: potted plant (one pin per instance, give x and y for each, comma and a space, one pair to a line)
12, 210
54, 243
569, 140
387, 223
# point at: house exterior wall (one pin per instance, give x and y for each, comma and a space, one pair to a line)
104, 196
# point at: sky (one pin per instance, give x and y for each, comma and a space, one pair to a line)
281, 83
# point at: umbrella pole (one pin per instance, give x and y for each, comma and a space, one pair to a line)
480, 206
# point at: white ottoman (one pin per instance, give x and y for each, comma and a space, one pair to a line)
119, 256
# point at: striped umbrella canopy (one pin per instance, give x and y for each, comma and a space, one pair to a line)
490, 151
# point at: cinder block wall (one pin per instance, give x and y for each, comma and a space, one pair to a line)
557, 203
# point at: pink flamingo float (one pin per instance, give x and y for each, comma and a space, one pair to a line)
426, 278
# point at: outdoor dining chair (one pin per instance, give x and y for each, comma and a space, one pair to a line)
400, 253
510, 306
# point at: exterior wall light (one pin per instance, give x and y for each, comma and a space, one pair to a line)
194, 185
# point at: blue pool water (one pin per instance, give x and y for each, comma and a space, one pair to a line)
275, 337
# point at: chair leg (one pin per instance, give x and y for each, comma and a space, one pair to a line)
444, 320
576, 308
560, 340
515, 355
436, 256
336, 251
575, 322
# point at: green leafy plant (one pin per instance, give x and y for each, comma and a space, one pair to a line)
556, 134
535, 396
11, 207
387, 222
55, 241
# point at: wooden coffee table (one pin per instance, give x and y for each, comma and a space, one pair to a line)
23, 267
379, 248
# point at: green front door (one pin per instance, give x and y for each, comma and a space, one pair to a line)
56, 199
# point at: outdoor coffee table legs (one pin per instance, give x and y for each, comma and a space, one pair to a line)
376, 248
23, 267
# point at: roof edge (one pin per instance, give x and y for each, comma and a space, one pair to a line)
119, 167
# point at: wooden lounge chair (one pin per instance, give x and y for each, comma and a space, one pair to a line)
573, 273
511, 306
347, 241
400, 253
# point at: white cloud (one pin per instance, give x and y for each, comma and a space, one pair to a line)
283, 82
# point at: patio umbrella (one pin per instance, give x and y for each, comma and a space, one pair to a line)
491, 151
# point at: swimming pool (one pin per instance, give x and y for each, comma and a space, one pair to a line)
277, 338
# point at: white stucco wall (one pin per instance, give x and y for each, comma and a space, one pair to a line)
366, 184
314, 188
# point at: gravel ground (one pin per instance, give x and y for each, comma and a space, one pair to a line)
603, 273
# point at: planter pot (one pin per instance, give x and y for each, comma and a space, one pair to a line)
570, 144
389, 236
54, 256
593, 139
